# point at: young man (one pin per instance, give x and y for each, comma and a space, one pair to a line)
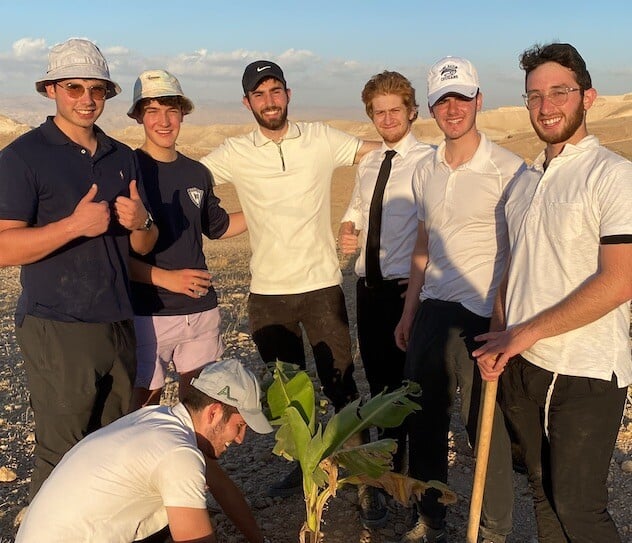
70, 211
150, 469
282, 172
177, 318
564, 355
456, 266
382, 221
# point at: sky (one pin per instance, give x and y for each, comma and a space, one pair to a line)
328, 49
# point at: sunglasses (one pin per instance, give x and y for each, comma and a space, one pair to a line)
77, 90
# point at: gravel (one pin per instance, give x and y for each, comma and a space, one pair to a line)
252, 464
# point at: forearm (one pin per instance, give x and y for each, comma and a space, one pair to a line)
590, 302
143, 241
498, 320
21, 244
236, 225
231, 500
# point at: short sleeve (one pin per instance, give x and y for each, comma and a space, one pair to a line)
18, 188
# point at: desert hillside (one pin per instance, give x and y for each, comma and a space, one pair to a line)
610, 119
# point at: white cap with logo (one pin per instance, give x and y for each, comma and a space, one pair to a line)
452, 75
229, 382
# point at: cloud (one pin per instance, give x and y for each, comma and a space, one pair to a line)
29, 48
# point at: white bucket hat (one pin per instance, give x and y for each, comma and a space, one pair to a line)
77, 58
158, 84
452, 75
229, 382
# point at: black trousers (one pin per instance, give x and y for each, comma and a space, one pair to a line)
439, 359
80, 378
568, 468
275, 324
379, 309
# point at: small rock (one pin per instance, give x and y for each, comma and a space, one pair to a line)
626, 466
7, 475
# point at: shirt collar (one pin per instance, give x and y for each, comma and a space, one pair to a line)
402, 147
55, 136
293, 132
480, 161
585, 144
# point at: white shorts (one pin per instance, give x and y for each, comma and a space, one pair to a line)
189, 341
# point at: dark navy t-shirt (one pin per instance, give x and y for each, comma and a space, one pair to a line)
181, 197
43, 175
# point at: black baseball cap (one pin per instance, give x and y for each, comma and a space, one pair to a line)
258, 70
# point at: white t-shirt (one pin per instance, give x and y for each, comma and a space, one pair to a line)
463, 216
113, 485
556, 219
399, 212
285, 192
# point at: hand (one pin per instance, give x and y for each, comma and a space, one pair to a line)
130, 212
348, 243
500, 347
192, 283
90, 218
402, 332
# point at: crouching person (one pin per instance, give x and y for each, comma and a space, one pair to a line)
150, 469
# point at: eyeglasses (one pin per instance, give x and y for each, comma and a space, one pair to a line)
77, 90
557, 96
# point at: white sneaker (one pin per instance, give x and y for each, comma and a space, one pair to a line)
422, 533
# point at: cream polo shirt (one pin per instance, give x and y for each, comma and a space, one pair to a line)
556, 219
399, 212
115, 483
463, 216
285, 193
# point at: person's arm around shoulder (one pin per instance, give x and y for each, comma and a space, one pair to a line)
418, 263
22, 244
188, 525
236, 225
366, 147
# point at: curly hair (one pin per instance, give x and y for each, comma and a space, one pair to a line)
561, 53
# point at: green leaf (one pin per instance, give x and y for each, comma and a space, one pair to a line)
384, 410
293, 388
372, 459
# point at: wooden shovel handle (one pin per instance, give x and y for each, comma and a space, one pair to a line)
482, 455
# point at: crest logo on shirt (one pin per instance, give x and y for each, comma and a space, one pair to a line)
196, 195
226, 392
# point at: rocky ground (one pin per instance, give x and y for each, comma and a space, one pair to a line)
252, 464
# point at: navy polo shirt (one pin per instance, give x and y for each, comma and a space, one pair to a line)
43, 175
184, 207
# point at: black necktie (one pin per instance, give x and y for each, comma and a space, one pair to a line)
373, 272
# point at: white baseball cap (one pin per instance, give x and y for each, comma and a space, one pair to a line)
229, 382
77, 58
158, 84
452, 75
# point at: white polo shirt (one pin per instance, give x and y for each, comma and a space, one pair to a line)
285, 193
463, 216
399, 211
556, 219
115, 483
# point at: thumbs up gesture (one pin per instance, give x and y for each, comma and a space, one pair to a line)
90, 218
130, 212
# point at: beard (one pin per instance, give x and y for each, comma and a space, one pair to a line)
271, 124
573, 122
